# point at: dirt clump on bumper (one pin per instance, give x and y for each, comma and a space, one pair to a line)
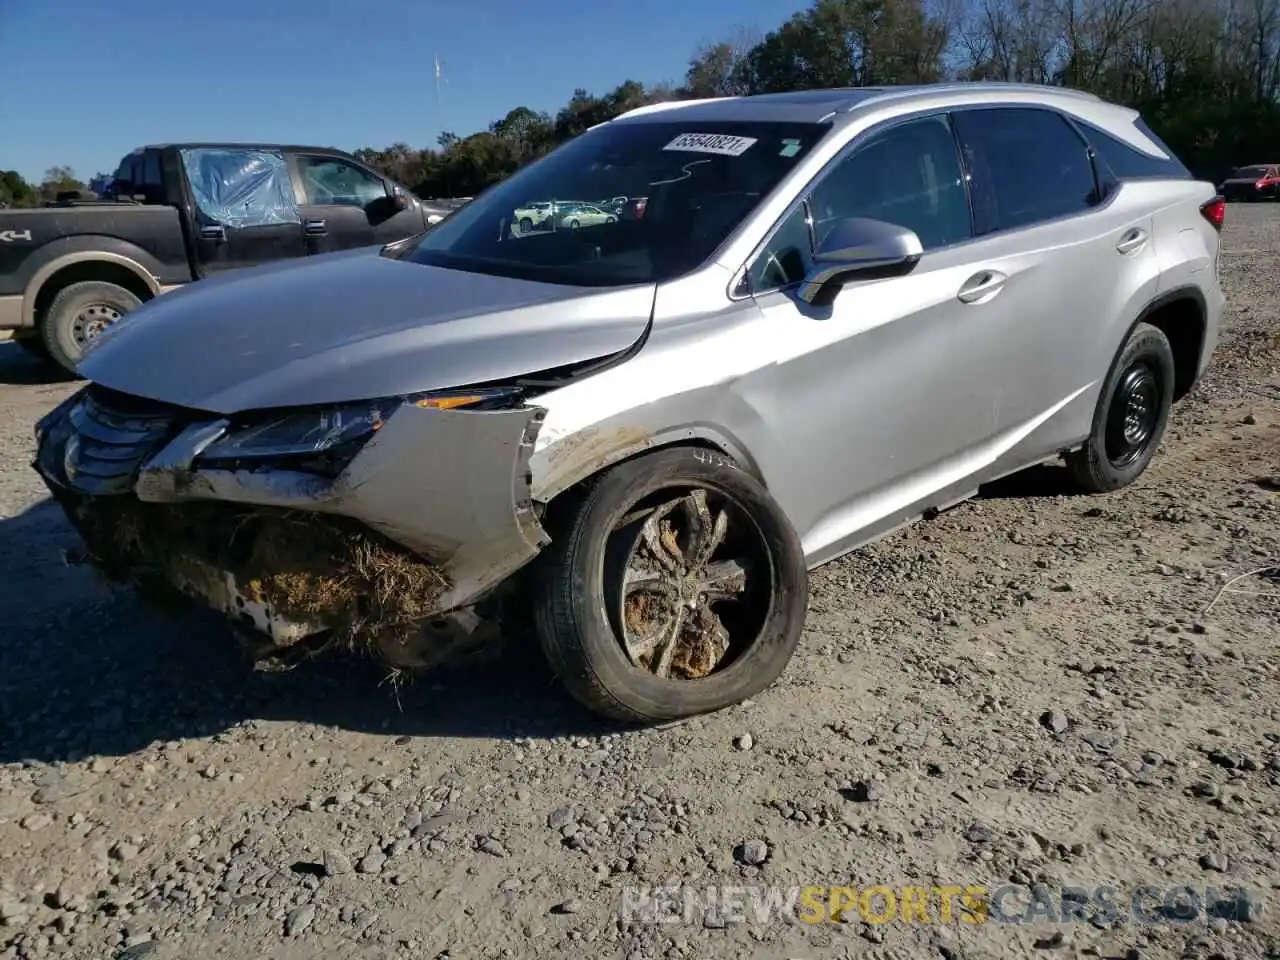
289, 574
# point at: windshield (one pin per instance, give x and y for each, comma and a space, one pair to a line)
1249, 173
677, 190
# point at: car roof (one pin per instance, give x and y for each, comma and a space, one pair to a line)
827, 105
233, 145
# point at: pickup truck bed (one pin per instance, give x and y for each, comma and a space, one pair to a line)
182, 212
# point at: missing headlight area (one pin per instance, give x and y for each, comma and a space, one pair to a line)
292, 576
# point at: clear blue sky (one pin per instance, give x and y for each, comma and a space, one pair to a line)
85, 81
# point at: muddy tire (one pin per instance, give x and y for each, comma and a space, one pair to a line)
1131, 415
674, 587
78, 313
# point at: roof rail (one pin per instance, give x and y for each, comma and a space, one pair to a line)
923, 89
668, 105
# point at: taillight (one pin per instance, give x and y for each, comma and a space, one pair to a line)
1215, 211
640, 205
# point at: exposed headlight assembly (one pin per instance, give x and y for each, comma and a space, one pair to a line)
336, 429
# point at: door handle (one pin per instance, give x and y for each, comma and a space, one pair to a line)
1134, 239
315, 228
213, 231
981, 286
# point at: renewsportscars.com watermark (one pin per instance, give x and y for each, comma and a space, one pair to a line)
937, 904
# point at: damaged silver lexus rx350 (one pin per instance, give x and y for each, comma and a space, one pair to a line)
800, 321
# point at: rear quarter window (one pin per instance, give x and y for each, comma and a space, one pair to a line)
1130, 163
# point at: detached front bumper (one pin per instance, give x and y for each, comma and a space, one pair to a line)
429, 515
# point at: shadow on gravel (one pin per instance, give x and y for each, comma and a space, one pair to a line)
86, 671
19, 368
1044, 480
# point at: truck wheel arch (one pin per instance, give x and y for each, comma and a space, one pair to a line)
81, 265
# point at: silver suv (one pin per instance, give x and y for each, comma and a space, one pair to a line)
840, 311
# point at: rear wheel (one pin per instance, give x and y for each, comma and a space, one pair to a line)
1131, 415
78, 314
675, 587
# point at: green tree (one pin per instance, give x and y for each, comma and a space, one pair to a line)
1204, 73
15, 191
719, 69
529, 132
843, 43
60, 180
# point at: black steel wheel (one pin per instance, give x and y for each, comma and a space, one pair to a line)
674, 587
1131, 415
1134, 413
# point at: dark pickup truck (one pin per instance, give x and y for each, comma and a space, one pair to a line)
179, 212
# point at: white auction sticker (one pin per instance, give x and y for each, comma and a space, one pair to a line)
720, 143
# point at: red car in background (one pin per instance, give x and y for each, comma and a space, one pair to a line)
1258, 181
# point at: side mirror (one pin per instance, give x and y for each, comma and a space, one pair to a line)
383, 208
855, 248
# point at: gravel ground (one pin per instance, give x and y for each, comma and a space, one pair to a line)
1025, 690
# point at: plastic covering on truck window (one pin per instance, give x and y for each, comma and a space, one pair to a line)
241, 188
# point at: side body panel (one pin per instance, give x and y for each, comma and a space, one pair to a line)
897, 398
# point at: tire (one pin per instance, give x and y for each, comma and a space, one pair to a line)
611, 219
578, 587
526, 225
573, 224
77, 307
1111, 458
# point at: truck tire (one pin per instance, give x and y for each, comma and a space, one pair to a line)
78, 314
623, 606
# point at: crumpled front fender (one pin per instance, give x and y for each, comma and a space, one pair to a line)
450, 485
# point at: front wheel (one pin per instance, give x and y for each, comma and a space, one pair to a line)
1131, 415
573, 224
675, 587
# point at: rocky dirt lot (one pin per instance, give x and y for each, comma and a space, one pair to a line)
1027, 689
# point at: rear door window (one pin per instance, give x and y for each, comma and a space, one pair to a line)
1028, 166
127, 181
151, 183
241, 188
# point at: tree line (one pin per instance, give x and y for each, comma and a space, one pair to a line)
1204, 73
